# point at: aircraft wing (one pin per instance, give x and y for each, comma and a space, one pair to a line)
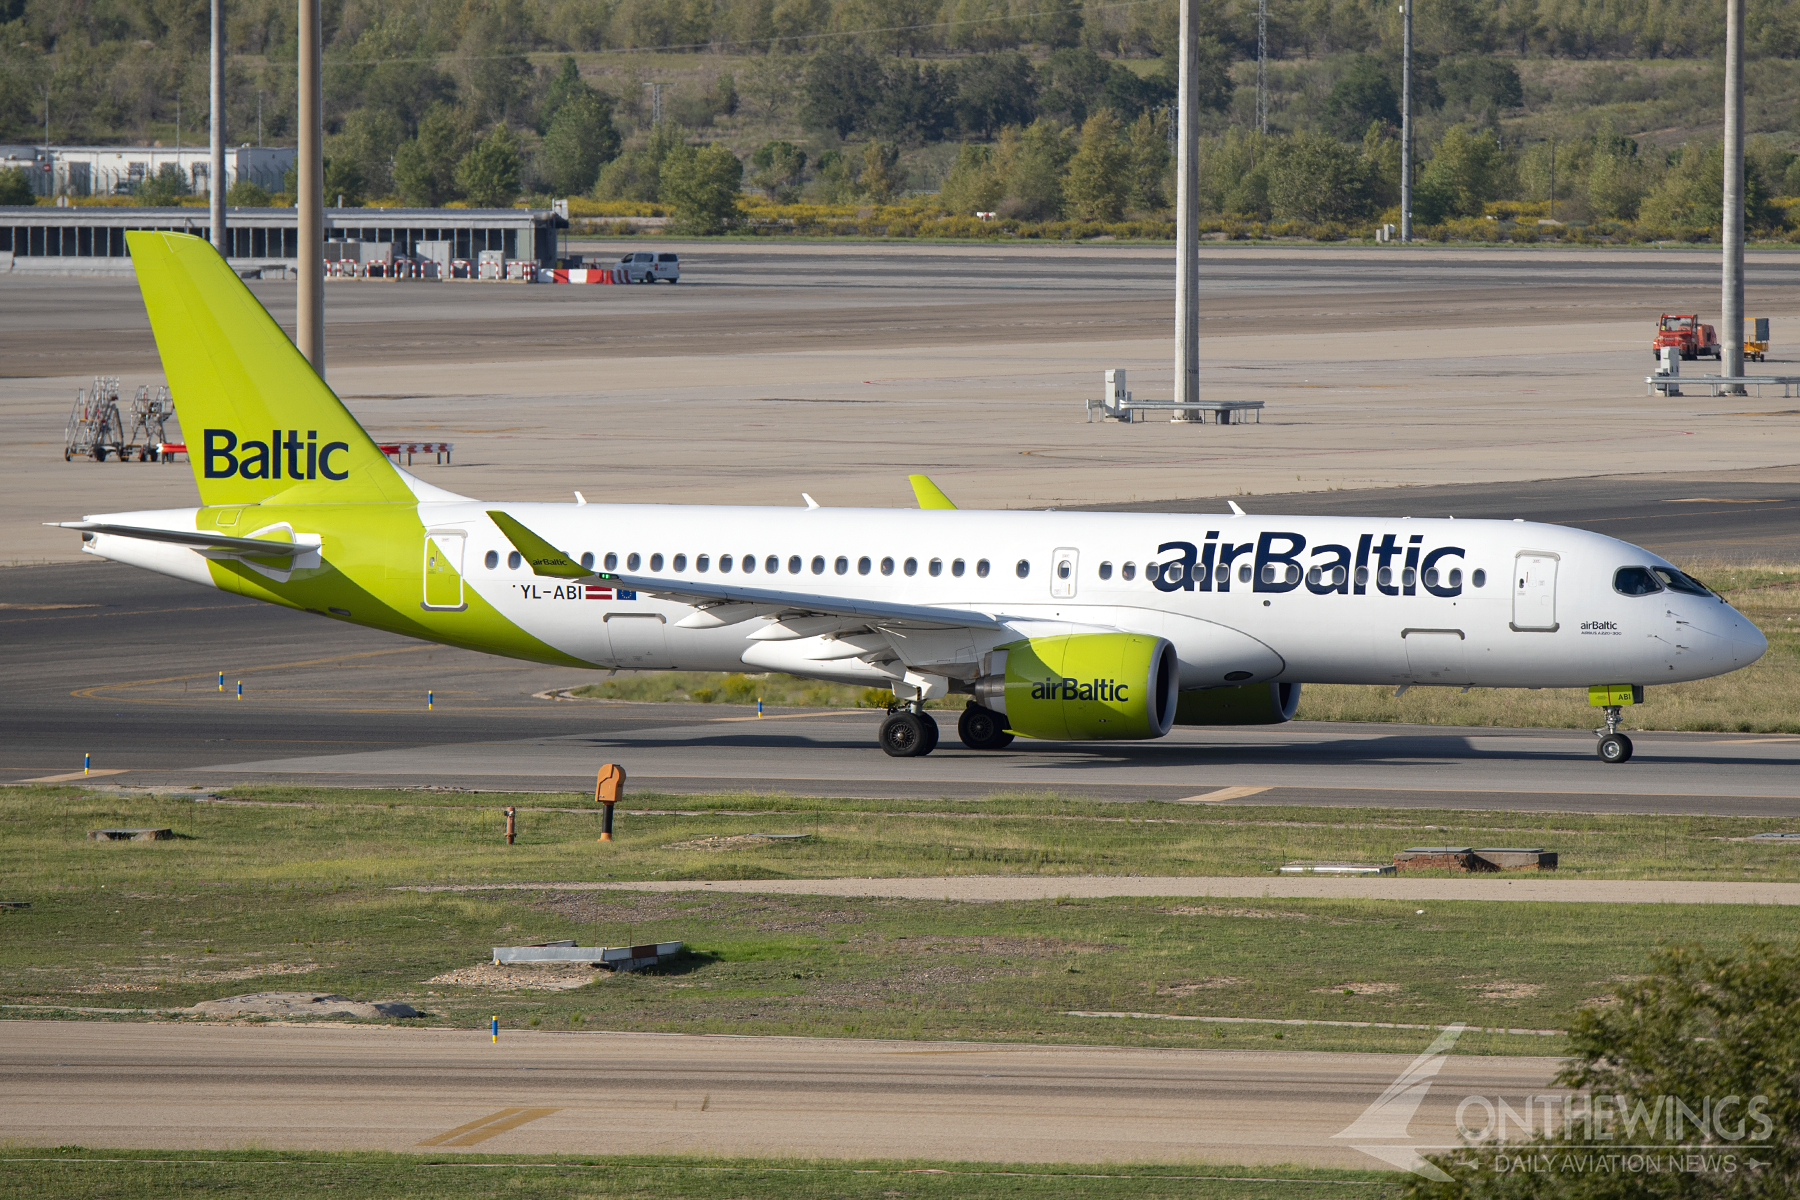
199, 541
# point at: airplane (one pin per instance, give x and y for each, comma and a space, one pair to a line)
1064, 626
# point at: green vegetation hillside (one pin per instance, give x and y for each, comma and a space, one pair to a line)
1035, 113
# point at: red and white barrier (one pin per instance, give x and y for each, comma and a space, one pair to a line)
582, 275
395, 449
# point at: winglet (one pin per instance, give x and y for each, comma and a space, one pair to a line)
543, 558
929, 494
1235, 510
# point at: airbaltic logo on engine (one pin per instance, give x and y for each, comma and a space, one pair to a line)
1074, 689
227, 457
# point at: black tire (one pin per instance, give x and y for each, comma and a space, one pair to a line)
903, 736
1614, 748
982, 728
930, 726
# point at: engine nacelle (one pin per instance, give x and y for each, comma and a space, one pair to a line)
1251, 704
1086, 686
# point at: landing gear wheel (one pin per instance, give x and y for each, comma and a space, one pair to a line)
903, 736
930, 727
982, 728
1613, 748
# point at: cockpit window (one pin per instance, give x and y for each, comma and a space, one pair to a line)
1675, 581
1635, 581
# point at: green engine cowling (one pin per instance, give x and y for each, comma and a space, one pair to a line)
1251, 704
1085, 686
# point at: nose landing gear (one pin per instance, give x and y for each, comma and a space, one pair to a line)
1613, 746
908, 732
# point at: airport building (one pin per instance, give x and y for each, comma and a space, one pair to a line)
119, 170
91, 240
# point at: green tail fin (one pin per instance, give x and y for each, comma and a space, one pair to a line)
259, 421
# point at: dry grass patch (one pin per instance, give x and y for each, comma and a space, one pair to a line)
1361, 989
1198, 985
1502, 990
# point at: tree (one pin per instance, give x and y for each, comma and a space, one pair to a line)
1315, 178
1098, 182
841, 85
15, 187
245, 193
1466, 171
1149, 160
425, 166
567, 84
489, 174
780, 166
974, 183
1032, 161
636, 174
580, 140
1715, 1031
703, 186
344, 177
364, 149
994, 90
1365, 92
915, 103
1482, 84
881, 177
163, 189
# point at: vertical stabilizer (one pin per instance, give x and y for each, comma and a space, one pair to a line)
259, 422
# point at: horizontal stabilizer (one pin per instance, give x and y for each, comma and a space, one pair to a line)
199, 541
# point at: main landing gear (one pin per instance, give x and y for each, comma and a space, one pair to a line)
1613, 746
908, 732
982, 728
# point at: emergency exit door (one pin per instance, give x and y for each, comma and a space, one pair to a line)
443, 569
1534, 593
1065, 564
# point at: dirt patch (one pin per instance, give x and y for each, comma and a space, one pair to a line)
736, 841
1198, 985
548, 977
1007, 947
679, 911
1505, 991
1217, 910
1362, 989
151, 979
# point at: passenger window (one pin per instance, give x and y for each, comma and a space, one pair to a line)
1174, 572
1222, 576
772, 564
587, 560
1023, 569
493, 559
1362, 577
1635, 581
1314, 577
725, 564
1063, 569
632, 560
749, 564
887, 566
1384, 577
818, 564
656, 561
1431, 578
1409, 577
1478, 577
1455, 577
863, 565
513, 560
842, 566
1106, 570
611, 561
1128, 571
1152, 571
680, 563
1293, 573
1244, 573
935, 567
981, 568
1678, 581
794, 564
956, 567
1268, 572
911, 566
702, 563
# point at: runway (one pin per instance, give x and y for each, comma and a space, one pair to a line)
446, 1092
123, 665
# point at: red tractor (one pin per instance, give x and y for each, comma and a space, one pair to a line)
1686, 334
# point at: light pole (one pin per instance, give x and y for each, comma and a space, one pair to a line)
1187, 218
1731, 300
1406, 139
309, 318
216, 129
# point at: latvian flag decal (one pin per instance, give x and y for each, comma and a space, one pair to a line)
606, 593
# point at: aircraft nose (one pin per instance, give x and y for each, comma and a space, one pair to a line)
1747, 640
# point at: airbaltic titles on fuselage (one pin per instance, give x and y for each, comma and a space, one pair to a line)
1276, 567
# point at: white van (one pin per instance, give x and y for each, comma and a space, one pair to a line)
648, 266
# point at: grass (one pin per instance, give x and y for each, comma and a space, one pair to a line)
71, 1171
320, 895
1762, 698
